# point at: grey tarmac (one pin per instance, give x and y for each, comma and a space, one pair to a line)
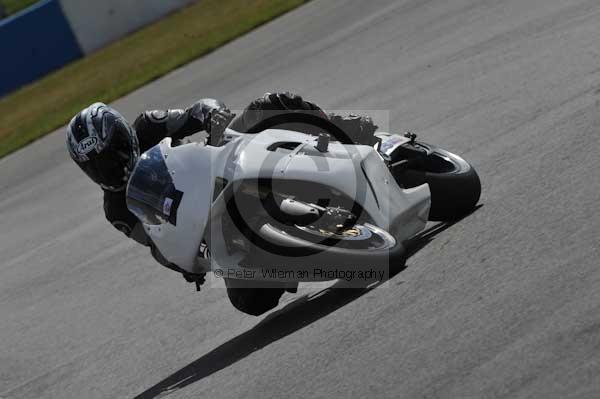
504, 303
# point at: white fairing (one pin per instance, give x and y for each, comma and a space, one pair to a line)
344, 168
355, 170
191, 171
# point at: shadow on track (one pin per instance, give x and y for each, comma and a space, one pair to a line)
291, 318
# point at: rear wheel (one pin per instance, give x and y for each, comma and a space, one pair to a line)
454, 183
253, 297
308, 247
359, 236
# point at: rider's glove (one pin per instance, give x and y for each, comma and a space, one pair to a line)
213, 115
219, 120
206, 110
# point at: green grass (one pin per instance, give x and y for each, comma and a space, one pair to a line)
12, 6
120, 68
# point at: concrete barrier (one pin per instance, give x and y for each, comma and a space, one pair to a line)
52, 33
35, 42
97, 23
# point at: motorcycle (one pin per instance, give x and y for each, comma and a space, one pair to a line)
268, 210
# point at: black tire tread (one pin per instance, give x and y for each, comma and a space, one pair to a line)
250, 298
453, 194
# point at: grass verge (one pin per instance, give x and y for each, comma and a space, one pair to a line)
118, 69
13, 6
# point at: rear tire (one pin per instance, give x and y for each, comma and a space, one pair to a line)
253, 297
454, 184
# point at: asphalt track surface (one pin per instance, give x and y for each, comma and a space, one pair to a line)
504, 303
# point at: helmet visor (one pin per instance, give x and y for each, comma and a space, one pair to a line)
110, 167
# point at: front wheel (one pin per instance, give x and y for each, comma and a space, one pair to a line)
454, 183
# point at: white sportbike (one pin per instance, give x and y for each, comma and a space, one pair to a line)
266, 211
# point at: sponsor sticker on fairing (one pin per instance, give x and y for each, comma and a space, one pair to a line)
167, 205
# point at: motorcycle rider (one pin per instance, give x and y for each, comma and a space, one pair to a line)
106, 147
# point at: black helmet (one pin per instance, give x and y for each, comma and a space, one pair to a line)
104, 146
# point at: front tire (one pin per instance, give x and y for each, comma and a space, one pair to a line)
454, 184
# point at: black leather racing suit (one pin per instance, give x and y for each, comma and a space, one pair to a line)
153, 126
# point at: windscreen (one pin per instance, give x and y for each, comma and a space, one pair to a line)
151, 193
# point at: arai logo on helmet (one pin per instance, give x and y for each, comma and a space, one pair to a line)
87, 145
